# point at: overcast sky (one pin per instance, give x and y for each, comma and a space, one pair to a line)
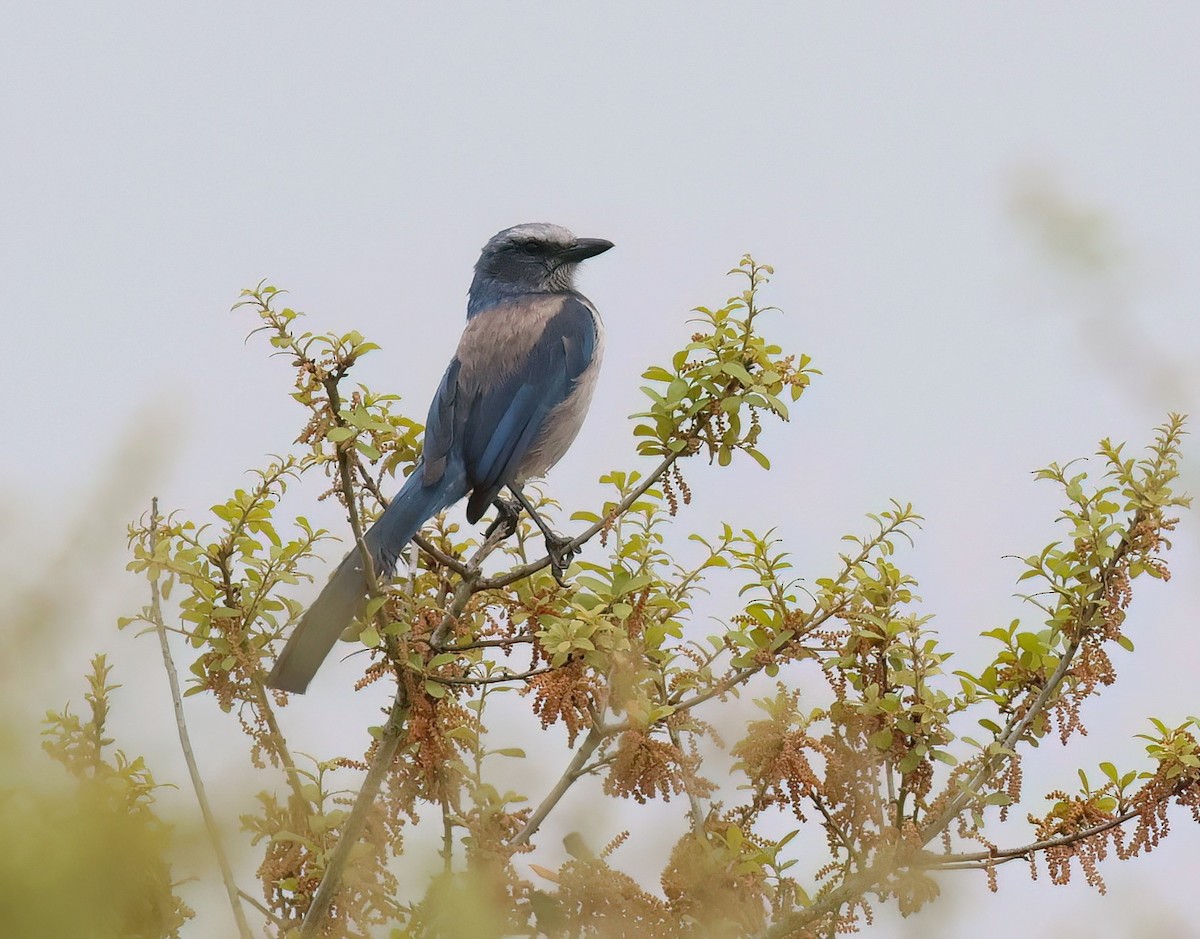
154, 160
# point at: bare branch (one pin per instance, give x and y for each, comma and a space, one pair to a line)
271, 917
385, 754
185, 743
574, 770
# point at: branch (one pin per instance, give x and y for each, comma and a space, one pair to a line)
381, 763
689, 786
982, 859
1012, 735
421, 541
518, 573
488, 643
1016, 728
489, 679
275, 739
278, 741
819, 619
725, 685
185, 742
271, 917
859, 884
389, 738
392, 732
850, 890
573, 771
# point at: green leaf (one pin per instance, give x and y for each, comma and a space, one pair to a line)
881, 739
759, 458
370, 637
738, 371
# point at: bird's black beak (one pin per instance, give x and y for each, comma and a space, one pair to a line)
585, 248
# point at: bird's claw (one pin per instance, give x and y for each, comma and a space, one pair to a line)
561, 551
508, 512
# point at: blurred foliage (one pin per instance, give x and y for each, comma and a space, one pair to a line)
874, 766
86, 855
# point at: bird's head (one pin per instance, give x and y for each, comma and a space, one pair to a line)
532, 258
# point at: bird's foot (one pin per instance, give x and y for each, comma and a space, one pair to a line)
508, 512
562, 551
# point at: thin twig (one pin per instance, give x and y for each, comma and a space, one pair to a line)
185, 743
489, 679
689, 783
419, 540
1004, 855
447, 836
466, 588
271, 917
488, 643
837, 830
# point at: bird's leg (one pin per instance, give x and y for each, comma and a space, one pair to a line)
559, 547
507, 513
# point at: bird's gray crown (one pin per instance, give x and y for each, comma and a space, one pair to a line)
534, 258
518, 235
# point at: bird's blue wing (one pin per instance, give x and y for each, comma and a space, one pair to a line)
439, 425
495, 397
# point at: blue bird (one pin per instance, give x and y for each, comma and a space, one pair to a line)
508, 408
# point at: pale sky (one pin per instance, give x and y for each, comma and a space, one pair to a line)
155, 160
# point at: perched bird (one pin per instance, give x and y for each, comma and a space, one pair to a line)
509, 406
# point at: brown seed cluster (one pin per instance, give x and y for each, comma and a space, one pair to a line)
774, 754
566, 695
644, 768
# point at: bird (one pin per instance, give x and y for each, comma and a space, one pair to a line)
508, 407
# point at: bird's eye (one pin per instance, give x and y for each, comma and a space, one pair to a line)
531, 247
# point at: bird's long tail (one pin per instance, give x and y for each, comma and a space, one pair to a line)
344, 597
